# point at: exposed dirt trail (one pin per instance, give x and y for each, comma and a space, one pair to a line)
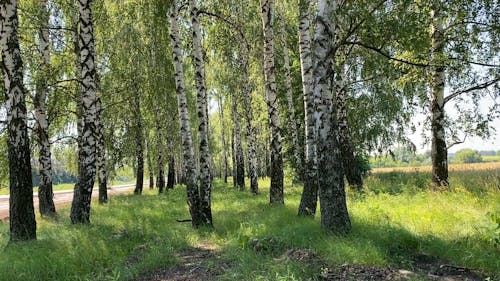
62, 198
193, 265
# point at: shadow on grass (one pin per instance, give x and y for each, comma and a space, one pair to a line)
279, 229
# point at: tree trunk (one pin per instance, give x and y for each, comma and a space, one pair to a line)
334, 214
80, 207
439, 151
45, 193
21, 211
309, 199
171, 162
351, 168
223, 138
251, 138
276, 189
171, 172
205, 170
291, 108
233, 156
239, 177
139, 138
190, 170
101, 155
150, 165
160, 180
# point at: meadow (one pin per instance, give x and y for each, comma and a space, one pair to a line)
397, 221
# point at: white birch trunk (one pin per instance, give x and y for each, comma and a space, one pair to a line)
80, 208
190, 171
334, 214
205, 176
21, 211
276, 189
45, 193
439, 151
309, 198
251, 135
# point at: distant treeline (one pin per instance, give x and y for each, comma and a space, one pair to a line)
58, 177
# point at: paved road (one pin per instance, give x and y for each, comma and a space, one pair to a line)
61, 198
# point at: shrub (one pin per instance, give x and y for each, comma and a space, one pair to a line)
468, 156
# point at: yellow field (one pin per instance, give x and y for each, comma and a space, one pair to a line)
451, 167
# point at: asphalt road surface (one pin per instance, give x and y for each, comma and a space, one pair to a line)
62, 198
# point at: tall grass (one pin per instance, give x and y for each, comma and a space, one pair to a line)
391, 225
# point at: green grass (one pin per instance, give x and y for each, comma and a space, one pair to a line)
491, 158
135, 234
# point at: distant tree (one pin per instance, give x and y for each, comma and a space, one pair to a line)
468, 156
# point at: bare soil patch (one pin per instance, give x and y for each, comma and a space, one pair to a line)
194, 265
424, 268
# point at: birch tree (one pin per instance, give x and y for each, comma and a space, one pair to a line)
239, 164
80, 207
276, 188
309, 198
150, 164
171, 162
139, 142
21, 211
199, 61
190, 170
45, 193
160, 179
439, 154
250, 132
223, 138
334, 214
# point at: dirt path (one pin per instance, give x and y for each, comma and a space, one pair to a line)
62, 198
194, 265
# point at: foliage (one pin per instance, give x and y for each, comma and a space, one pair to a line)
363, 164
468, 156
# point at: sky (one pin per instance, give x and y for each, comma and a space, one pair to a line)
475, 143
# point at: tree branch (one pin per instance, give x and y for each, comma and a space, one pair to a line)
473, 88
228, 22
458, 141
355, 27
388, 56
62, 138
476, 63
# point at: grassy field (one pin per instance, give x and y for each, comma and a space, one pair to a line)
484, 166
396, 219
